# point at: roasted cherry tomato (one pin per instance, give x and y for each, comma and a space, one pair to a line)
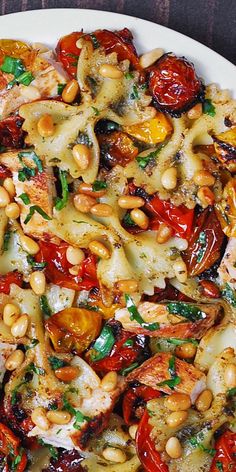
180, 218
127, 350
149, 457
134, 402
73, 329
68, 461
117, 149
8, 279
153, 131
225, 457
205, 242
167, 293
4, 172
174, 84
68, 53
57, 268
10, 448
17, 49
11, 133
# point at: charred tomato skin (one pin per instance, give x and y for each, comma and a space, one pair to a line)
174, 85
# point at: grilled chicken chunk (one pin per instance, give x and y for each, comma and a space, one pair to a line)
157, 370
170, 325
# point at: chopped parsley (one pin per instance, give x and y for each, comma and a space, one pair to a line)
208, 107
26, 173
16, 460
35, 265
62, 202
128, 343
202, 246
83, 138
99, 185
143, 161
34, 342
53, 450
190, 312
25, 198
60, 88
219, 466
79, 416
6, 240
129, 75
96, 111
32, 367
179, 342
128, 369
56, 363
43, 301
175, 379
103, 344
195, 441
37, 209
229, 295
135, 315
127, 220
95, 42
135, 93
231, 392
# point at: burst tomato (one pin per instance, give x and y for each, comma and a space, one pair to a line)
117, 149
68, 53
8, 279
57, 268
11, 133
149, 457
10, 448
4, 172
134, 402
225, 457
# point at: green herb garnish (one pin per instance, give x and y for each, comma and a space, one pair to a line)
143, 161
16, 389
6, 240
34, 342
53, 450
134, 94
32, 367
128, 343
103, 344
208, 107
195, 442
229, 295
38, 209
26, 173
128, 369
56, 363
175, 379
127, 220
79, 416
135, 315
83, 138
26, 78
12, 65
190, 312
35, 265
99, 185
60, 88
61, 202
231, 392
43, 302
129, 75
96, 111
203, 245
31, 155
95, 42
219, 466
25, 198
179, 342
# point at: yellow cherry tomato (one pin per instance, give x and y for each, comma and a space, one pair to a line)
153, 131
17, 49
226, 209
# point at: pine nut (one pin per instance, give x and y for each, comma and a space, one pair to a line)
99, 249
10, 313
87, 189
37, 282
164, 233
203, 177
139, 218
127, 286
129, 202
84, 203
101, 209
58, 417
39, 418
20, 326
178, 402
82, 156
180, 270
114, 455
67, 373
150, 57
176, 418
30, 92
133, 430
29, 245
110, 72
109, 381
8, 184
4, 197
186, 351
169, 178
45, 126
12, 211
74, 255
230, 375
14, 360
195, 112
206, 196
70, 91
173, 448
204, 400
74, 270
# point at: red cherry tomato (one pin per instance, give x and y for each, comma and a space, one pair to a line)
180, 218
4, 172
57, 268
11, 133
8, 279
149, 457
10, 448
174, 84
134, 402
120, 42
225, 457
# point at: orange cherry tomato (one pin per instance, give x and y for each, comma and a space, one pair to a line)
117, 149
73, 329
153, 131
10, 448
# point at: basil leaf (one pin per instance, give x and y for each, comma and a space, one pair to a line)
79, 416
175, 379
127, 220
83, 138
135, 94
43, 302
229, 295
231, 392
190, 312
103, 344
96, 111
143, 161
128, 369
129, 75
56, 363
6, 240
35, 265
128, 343
61, 202
25, 198
179, 342
208, 107
99, 185
38, 209
53, 450
26, 173
34, 368
31, 155
26, 78
34, 342
60, 88
135, 315
12, 65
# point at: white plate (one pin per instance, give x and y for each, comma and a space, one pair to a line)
47, 26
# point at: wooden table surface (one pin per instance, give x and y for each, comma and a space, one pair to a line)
212, 22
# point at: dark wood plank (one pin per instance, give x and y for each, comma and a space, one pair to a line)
212, 22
